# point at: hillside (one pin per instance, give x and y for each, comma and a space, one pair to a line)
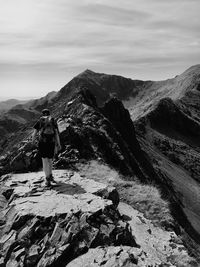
147, 131
8, 104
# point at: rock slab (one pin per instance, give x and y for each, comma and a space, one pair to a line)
52, 226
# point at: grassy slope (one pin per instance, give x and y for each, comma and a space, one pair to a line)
146, 199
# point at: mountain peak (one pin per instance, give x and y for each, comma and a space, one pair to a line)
87, 72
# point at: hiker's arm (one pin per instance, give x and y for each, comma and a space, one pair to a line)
57, 135
58, 139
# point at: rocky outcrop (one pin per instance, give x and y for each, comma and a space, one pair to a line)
24, 157
120, 118
157, 247
51, 227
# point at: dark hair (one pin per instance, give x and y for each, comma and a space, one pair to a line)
45, 112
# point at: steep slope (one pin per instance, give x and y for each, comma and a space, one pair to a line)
177, 88
169, 132
171, 139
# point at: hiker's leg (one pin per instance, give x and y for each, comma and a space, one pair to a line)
51, 178
45, 167
50, 166
47, 170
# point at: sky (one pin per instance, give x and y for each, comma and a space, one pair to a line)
44, 44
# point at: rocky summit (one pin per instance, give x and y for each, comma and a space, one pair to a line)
127, 191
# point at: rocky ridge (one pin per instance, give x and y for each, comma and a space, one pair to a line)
88, 132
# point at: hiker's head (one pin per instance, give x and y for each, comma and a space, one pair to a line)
45, 112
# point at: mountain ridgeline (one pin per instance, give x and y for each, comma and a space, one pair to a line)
144, 129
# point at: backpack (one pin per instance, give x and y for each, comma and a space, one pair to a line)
47, 126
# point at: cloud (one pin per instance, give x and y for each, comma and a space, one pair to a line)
64, 37
163, 2
112, 15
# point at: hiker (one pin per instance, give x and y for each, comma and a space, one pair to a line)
49, 142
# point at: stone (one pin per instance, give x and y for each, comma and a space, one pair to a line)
12, 263
57, 233
32, 255
109, 193
27, 231
19, 253
107, 257
8, 239
7, 192
2, 262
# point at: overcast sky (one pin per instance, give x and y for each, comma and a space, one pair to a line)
45, 43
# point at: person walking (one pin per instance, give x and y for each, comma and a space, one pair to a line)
49, 142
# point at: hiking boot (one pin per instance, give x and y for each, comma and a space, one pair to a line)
47, 183
51, 178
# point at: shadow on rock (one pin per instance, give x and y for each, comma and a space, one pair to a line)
69, 189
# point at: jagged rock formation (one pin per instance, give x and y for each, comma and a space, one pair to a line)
96, 133
162, 247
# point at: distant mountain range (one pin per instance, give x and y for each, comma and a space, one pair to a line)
8, 104
18, 115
